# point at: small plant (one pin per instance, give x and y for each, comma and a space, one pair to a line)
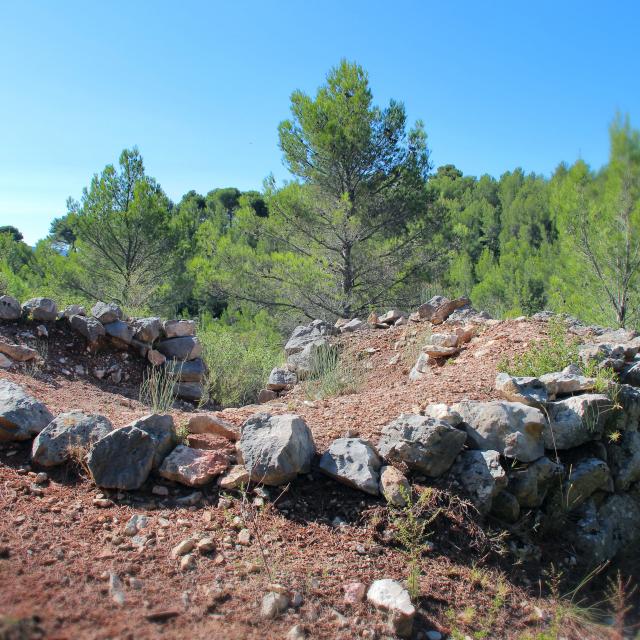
411, 523
333, 374
554, 353
182, 433
158, 388
413, 347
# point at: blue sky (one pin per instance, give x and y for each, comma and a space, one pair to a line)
201, 86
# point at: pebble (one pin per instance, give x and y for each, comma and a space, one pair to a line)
187, 562
102, 503
273, 604
135, 524
183, 547
41, 478
206, 545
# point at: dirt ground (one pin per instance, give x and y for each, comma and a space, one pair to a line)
58, 549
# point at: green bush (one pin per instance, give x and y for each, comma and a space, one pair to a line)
554, 353
333, 374
240, 352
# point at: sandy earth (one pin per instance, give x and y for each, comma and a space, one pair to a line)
57, 549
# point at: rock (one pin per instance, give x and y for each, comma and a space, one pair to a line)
191, 391
156, 358
184, 348
275, 449
266, 395
354, 592
576, 420
160, 490
273, 604
162, 431
42, 331
116, 589
394, 486
136, 523
190, 371
530, 485
389, 595
584, 479
10, 308
436, 352
603, 531
106, 313
206, 545
442, 412
424, 444
69, 434
18, 352
90, 328
296, 632
304, 336
187, 562
303, 362
513, 429
481, 475
527, 390
122, 459
628, 417
391, 317
183, 548
353, 325
354, 462
565, 382
280, 379
41, 309
193, 467
120, 331
179, 328
623, 457
5, 363
21, 416
74, 310
147, 329
401, 322
444, 339
244, 537
439, 308
505, 506
420, 367
207, 423
234, 478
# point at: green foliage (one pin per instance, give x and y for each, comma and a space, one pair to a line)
334, 374
240, 351
158, 388
554, 353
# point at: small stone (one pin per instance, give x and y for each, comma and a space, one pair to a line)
234, 478
160, 490
102, 503
42, 331
296, 632
183, 548
206, 545
116, 589
354, 592
41, 478
136, 523
391, 596
394, 486
244, 537
187, 562
273, 604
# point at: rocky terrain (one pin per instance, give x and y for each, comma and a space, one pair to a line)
441, 498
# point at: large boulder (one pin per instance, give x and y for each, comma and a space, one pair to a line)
70, 433
122, 459
481, 476
623, 456
606, 528
582, 481
305, 335
73, 310
21, 415
147, 329
527, 390
576, 420
179, 328
424, 444
280, 379
275, 449
106, 312
162, 432
354, 462
190, 371
193, 467
531, 484
185, 348
303, 362
439, 308
511, 428
191, 391
120, 331
90, 328
10, 308
40, 309
569, 380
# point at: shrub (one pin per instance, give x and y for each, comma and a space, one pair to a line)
239, 352
157, 389
333, 374
554, 353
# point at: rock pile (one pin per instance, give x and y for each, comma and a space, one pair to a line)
171, 344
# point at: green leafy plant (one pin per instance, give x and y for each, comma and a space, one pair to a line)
158, 387
554, 353
333, 374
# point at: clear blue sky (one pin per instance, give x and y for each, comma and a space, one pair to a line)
201, 86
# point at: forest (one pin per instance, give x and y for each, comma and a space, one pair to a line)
365, 223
